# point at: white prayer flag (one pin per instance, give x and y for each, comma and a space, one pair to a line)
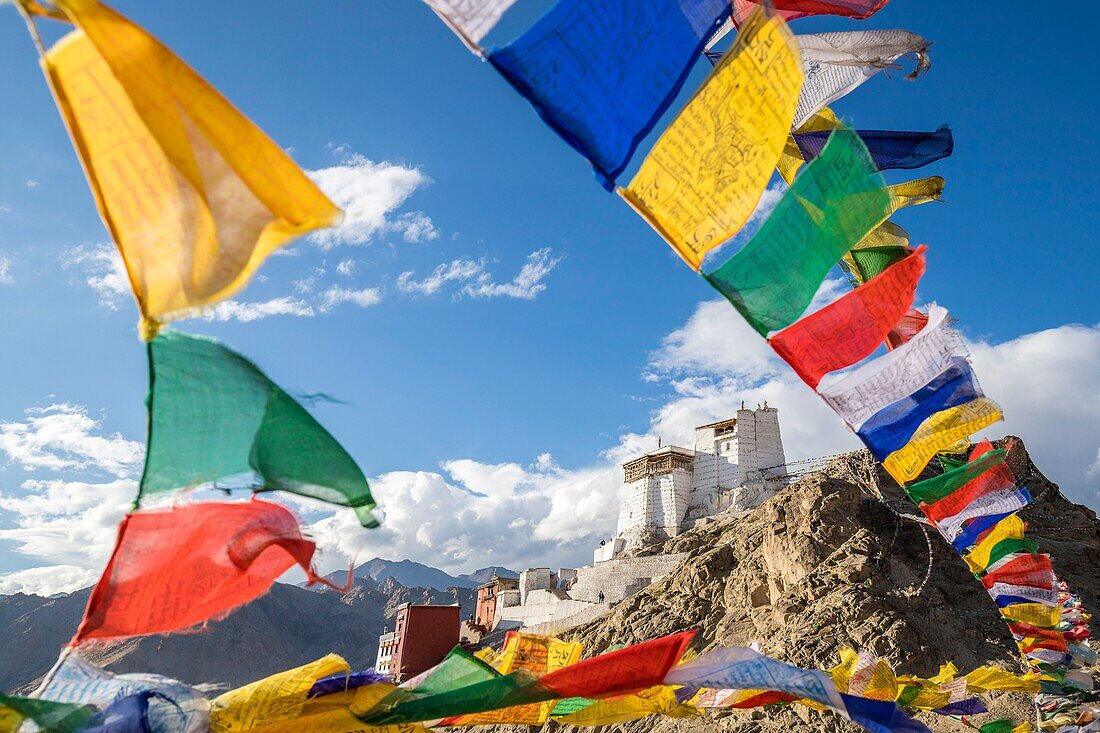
837, 63
471, 20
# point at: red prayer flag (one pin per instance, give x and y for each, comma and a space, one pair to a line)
1031, 570
853, 326
764, 698
994, 479
172, 569
622, 671
912, 323
790, 9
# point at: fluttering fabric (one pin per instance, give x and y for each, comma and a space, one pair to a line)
852, 327
707, 171
836, 63
937, 487
997, 478
174, 707
194, 195
914, 193
214, 417
937, 432
895, 376
894, 425
129, 714
601, 73
869, 262
470, 20
830, 207
791, 9
743, 668
175, 568
891, 150
50, 716
912, 323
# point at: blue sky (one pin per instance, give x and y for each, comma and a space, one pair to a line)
513, 399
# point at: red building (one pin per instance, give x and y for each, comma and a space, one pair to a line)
422, 636
488, 595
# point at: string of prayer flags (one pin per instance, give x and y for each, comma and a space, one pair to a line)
896, 375
743, 668
889, 149
175, 568
194, 195
995, 479
836, 63
214, 416
941, 485
54, 717
852, 327
600, 73
937, 432
830, 207
893, 426
705, 175
471, 20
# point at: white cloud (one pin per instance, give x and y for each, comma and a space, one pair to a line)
369, 193
309, 283
525, 285
105, 270
336, 295
63, 437
233, 310
47, 581
5, 271
459, 270
346, 267
31, 183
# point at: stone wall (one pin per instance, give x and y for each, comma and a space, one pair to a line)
620, 578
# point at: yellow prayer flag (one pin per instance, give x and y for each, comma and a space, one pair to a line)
707, 172
272, 700
1011, 527
1024, 727
937, 432
1036, 614
9, 720
659, 700
194, 194
984, 679
791, 159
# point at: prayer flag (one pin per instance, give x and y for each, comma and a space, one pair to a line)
855, 9
174, 707
937, 432
1046, 596
889, 149
984, 679
129, 714
53, 717
852, 327
915, 193
1031, 570
194, 195
1009, 528
937, 487
997, 503
629, 669
897, 375
893, 426
1036, 614
836, 63
707, 171
908, 327
470, 20
995, 479
659, 700
826, 210
974, 531
867, 263
214, 416
172, 569
601, 73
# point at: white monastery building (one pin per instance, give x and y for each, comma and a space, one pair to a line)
736, 465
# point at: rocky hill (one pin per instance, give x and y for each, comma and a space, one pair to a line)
285, 628
829, 562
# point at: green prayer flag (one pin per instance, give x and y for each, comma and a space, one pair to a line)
998, 726
49, 716
518, 688
213, 416
933, 489
873, 260
458, 669
1006, 547
950, 464
830, 207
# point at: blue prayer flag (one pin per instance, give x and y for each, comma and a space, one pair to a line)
601, 72
969, 536
879, 716
890, 428
889, 149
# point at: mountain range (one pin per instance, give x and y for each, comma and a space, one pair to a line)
287, 627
